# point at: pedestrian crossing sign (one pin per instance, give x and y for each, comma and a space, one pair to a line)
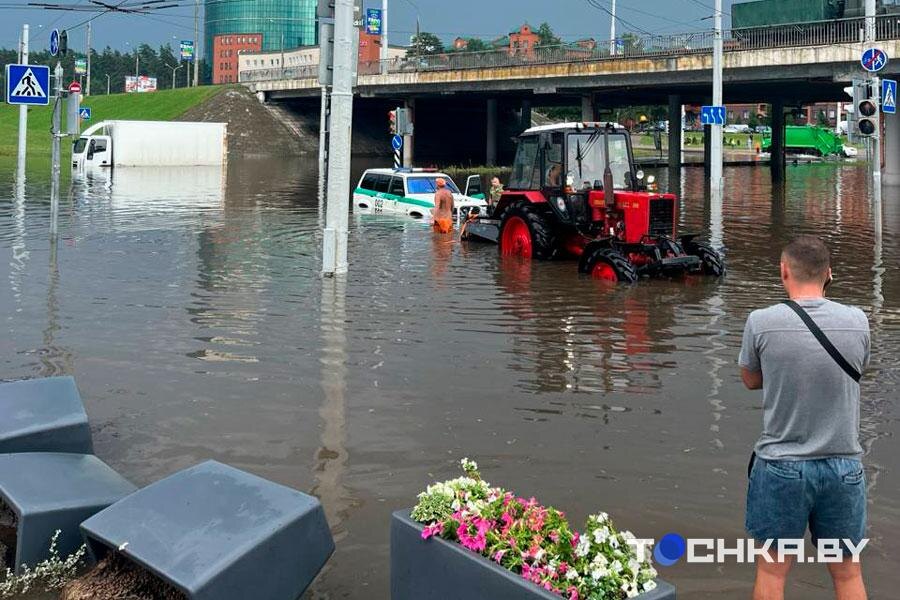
28, 84
889, 96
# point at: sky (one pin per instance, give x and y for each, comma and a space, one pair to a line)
570, 19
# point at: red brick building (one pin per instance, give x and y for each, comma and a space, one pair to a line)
523, 41
226, 49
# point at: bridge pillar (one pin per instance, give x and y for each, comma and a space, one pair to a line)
588, 113
491, 151
778, 162
526, 115
675, 131
891, 173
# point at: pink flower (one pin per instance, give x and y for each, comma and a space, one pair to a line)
498, 555
432, 530
573, 592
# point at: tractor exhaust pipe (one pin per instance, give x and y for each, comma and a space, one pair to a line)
609, 193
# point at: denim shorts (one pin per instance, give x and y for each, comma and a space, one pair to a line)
827, 495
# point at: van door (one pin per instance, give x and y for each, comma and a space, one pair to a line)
474, 188
98, 152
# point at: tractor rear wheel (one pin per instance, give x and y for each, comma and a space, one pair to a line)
526, 230
711, 262
607, 264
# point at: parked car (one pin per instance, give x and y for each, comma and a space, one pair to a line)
763, 129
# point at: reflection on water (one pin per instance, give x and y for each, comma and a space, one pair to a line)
188, 303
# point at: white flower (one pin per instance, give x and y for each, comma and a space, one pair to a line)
602, 517
600, 560
634, 566
599, 573
628, 536
583, 547
613, 541
601, 534
539, 555
649, 585
616, 567
572, 574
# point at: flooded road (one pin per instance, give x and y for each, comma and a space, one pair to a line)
189, 306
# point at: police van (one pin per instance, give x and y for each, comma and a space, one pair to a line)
411, 192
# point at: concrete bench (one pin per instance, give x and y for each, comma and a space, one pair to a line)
436, 569
214, 532
55, 491
43, 415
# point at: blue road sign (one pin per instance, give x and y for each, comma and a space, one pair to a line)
713, 115
889, 96
54, 42
874, 60
397, 142
28, 84
84, 113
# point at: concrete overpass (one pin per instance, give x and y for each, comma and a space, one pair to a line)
782, 66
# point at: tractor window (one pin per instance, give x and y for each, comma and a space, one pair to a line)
586, 161
553, 161
526, 168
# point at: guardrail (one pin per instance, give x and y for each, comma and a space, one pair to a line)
819, 33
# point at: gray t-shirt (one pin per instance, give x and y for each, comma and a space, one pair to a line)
810, 405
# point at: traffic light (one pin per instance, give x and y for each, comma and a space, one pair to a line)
325, 14
404, 123
392, 118
63, 43
866, 111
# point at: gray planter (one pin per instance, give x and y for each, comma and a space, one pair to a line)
436, 569
50, 492
217, 533
43, 415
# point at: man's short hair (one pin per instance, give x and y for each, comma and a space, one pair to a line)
808, 258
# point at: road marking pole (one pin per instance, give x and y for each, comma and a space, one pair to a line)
23, 116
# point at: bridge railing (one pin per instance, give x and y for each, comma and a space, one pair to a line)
819, 33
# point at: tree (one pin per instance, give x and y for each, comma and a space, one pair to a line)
631, 42
546, 35
474, 45
423, 44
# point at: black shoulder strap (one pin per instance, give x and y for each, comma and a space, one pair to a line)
823, 339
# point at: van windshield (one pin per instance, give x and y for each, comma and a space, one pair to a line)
427, 185
80, 145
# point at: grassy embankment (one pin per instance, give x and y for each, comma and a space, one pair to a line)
159, 106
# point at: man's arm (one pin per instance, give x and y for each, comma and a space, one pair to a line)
753, 380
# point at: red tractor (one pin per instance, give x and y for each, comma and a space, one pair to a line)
575, 190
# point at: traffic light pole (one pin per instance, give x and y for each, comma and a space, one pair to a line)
876, 139
55, 153
334, 251
716, 159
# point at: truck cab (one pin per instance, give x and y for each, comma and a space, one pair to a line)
92, 151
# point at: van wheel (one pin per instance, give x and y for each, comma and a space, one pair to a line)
526, 230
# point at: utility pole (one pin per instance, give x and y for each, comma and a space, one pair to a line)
716, 159
87, 88
54, 156
196, 43
612, 29
384, 37
107, 84
334, 251
23, 112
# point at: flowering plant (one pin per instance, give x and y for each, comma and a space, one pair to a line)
534, 541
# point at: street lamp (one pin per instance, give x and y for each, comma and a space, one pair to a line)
107, 84
174, 70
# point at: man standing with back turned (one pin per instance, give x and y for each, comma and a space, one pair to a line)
807, 355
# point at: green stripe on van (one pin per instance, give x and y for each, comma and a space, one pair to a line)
387, 196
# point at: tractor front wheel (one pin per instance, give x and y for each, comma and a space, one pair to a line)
608, 265
526, 230
711, 262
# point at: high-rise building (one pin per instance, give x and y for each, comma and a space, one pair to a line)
282, 24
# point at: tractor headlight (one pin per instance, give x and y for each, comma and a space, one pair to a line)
639, 175
561, 203
651, 179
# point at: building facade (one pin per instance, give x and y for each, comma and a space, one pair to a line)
524, 41
279, 23
226, 49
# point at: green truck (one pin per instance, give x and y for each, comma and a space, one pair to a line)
809, 139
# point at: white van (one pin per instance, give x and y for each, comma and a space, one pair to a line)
411, 192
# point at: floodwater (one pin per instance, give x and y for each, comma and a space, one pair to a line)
189, 306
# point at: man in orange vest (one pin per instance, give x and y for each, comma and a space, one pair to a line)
443, 207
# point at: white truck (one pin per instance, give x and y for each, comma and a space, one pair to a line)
151, 144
